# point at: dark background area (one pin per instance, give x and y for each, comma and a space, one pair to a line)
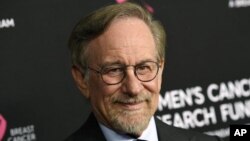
208, 42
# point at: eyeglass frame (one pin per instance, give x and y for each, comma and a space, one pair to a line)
124, 68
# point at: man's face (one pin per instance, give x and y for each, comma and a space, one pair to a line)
128, 106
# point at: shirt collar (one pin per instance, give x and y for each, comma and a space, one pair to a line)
150, 133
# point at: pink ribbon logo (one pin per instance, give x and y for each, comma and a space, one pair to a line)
147, 6
3, 125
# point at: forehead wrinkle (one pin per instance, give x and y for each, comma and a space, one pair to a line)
128, 24
127, 42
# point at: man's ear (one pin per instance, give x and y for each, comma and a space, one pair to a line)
81, 83
162, 62
160, 73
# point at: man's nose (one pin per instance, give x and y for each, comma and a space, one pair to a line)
131, 85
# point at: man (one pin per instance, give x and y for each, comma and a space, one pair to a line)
118, 57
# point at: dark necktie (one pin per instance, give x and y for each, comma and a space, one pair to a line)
140, 140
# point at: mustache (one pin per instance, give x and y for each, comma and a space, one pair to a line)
127, 99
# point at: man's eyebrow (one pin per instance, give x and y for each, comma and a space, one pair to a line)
109, 63
146, 60
118, 62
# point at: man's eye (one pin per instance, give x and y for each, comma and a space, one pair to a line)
113, 71
143, 69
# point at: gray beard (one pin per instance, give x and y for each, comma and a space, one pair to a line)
131, 122
126, 122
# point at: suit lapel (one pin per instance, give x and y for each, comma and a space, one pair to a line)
93, 129
160, 130
166, 132
90, 131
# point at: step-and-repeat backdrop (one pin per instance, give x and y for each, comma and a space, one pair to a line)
206, 81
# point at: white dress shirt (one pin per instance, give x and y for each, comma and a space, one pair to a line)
149, 134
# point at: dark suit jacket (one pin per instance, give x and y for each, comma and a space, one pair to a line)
91, 131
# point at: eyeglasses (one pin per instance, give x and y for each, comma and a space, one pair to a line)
115, 74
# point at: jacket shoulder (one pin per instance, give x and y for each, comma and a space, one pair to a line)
171, 133
89, 131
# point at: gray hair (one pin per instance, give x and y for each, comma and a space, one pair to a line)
97, 22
